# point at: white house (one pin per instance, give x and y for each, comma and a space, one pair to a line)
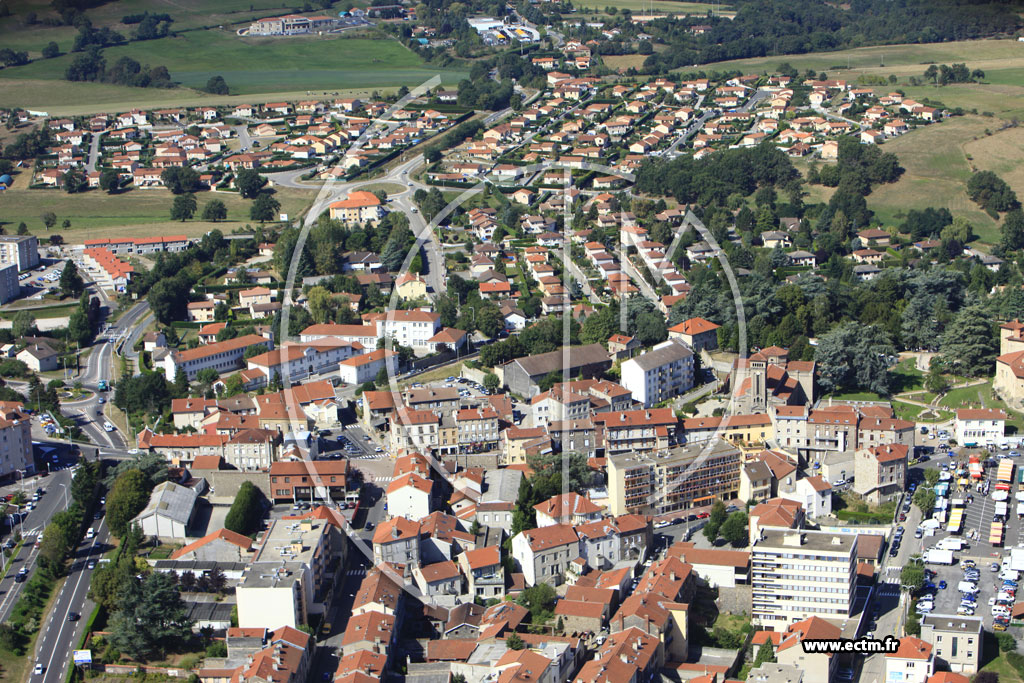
544, 554
913, 662
409, 328
364, 368
814, 493
664, 372
409, 496
979, 426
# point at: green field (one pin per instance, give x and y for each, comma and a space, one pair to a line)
256, 65
936, 174
902, 60
96, 214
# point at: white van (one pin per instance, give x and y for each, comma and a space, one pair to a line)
967, 587
1009, 575
950, 544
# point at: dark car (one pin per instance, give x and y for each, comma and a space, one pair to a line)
73, 616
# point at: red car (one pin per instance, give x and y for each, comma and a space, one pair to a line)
703, 515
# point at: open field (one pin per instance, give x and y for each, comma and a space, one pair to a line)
936, 174
623, 62
254, 65
882, 60
135, 213
187, 14
656, 6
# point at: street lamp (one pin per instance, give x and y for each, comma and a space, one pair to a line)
65, 487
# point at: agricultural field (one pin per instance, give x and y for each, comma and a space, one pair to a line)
95, 214
255, 65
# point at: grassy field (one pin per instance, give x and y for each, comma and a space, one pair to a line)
936, 174
999, 665
255, 65
909, 411
96, 214
623, 62
656, 6
902, 60
981, 396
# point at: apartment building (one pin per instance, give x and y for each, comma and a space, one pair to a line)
397, 541
816, 432
977, 427
544, 554
796, 574
308, 480
413, 328
291, 576
296, 362
415, 430
21, 250
638, 431
359, 207
559, 403
880, 472
484, 572
913, 662
10, 286
15, 440
365, 367
224, 357
677, 479
664, 372
477, 429
957, 641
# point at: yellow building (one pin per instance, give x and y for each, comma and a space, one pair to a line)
411, 287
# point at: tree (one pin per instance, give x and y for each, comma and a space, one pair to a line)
74, 181
110, 180
1012, 231
935, 381
854, 356
416, 265
321, 304
126, 499
152, 617
49, 220
216, 85
71, 283
246, 511
168, 298
735, 529
1007, 643
184, 207
265, 208
924, 499
249, 183
79, 328
491, 382
969, 345
214, 210
912, 576
22, 324
715, 520
180, 180
514, 642
51, 50
765, 654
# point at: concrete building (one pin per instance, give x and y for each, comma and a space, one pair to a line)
21, 250
38, 357
224, 357
219, 546
570, 508
359, 207
365, 367
678, 479
543, 555
484, 572
914, 662
169, 512
413, 328
817, 666
880, 472
15, 440
409, 496
976, 427
10, 286
768, 378
397, 541
664, 372
797, 574
522, 374
956, 641
697, 333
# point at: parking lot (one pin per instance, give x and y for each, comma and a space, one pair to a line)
36, 282
987, 559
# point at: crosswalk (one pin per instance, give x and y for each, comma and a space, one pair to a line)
358, 571
370, 456
383, 480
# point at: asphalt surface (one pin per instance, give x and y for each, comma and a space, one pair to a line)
60, 635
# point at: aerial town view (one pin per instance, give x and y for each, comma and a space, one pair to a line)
573, 341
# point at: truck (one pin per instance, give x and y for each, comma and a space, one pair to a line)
938, 556
102, 385
950, 544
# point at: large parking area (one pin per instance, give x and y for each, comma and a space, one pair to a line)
35, 282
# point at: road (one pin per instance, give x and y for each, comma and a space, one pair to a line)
35, 521
94, 152
60, 635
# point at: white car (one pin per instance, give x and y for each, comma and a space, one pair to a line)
108, 427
